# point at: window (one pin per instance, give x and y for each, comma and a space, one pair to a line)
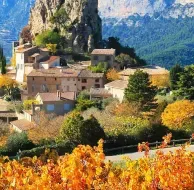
96, 58
55, 78
58, 87
107, 58
67, 88
50, 107
84, 80
44, 88
97, 80
67, 107
33, 88
78, 79
33, 78
74, 79
83, 87
45, 79
97, 86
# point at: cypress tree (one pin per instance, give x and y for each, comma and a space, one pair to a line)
2, 61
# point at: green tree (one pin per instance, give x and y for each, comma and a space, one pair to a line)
185, 84
125, 60
18, 141
2, 61
102, 67
80, 131
174, 75
47, 37
60, 18
139, 88
92, 132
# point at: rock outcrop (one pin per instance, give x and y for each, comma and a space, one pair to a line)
84, 30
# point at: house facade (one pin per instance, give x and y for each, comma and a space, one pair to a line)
65, 80
151, 70
51, 103
88, 80
30, 57
117, 89
103, 55
58, 103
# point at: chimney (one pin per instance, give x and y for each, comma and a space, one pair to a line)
59, 94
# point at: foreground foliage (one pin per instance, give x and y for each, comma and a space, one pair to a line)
86, 168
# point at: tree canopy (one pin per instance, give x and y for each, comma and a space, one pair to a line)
178, 114
47, 37
2, 61
139, 88
8, 84
175, 71
80, 131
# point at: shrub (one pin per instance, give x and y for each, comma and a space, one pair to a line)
61, 148
80, 131
27, 104
18, 141
102, 67
47, 37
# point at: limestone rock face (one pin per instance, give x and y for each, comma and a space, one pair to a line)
82, 16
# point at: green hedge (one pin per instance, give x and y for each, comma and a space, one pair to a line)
61, 148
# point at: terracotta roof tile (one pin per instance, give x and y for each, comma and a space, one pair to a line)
90, 74
52, 97
50, 59
54, 73
100, 91
23, 124
151, 70
103, 52
119, 84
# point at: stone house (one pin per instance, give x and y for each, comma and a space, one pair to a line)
103, 55
51, 103
43, 80
29, 57
117, 89
151, 70
66, 80
88, 80
58, 103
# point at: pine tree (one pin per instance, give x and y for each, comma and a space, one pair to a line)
139, 88
174, 75
2, 61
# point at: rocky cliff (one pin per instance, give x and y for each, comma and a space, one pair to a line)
84, 23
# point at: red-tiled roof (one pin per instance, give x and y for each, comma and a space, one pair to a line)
55, 72
103, 52
29, 112
100, 92
119, 84
23, 124
52, 97
90, 74
50, 59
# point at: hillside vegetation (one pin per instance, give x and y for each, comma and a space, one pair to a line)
159, 41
